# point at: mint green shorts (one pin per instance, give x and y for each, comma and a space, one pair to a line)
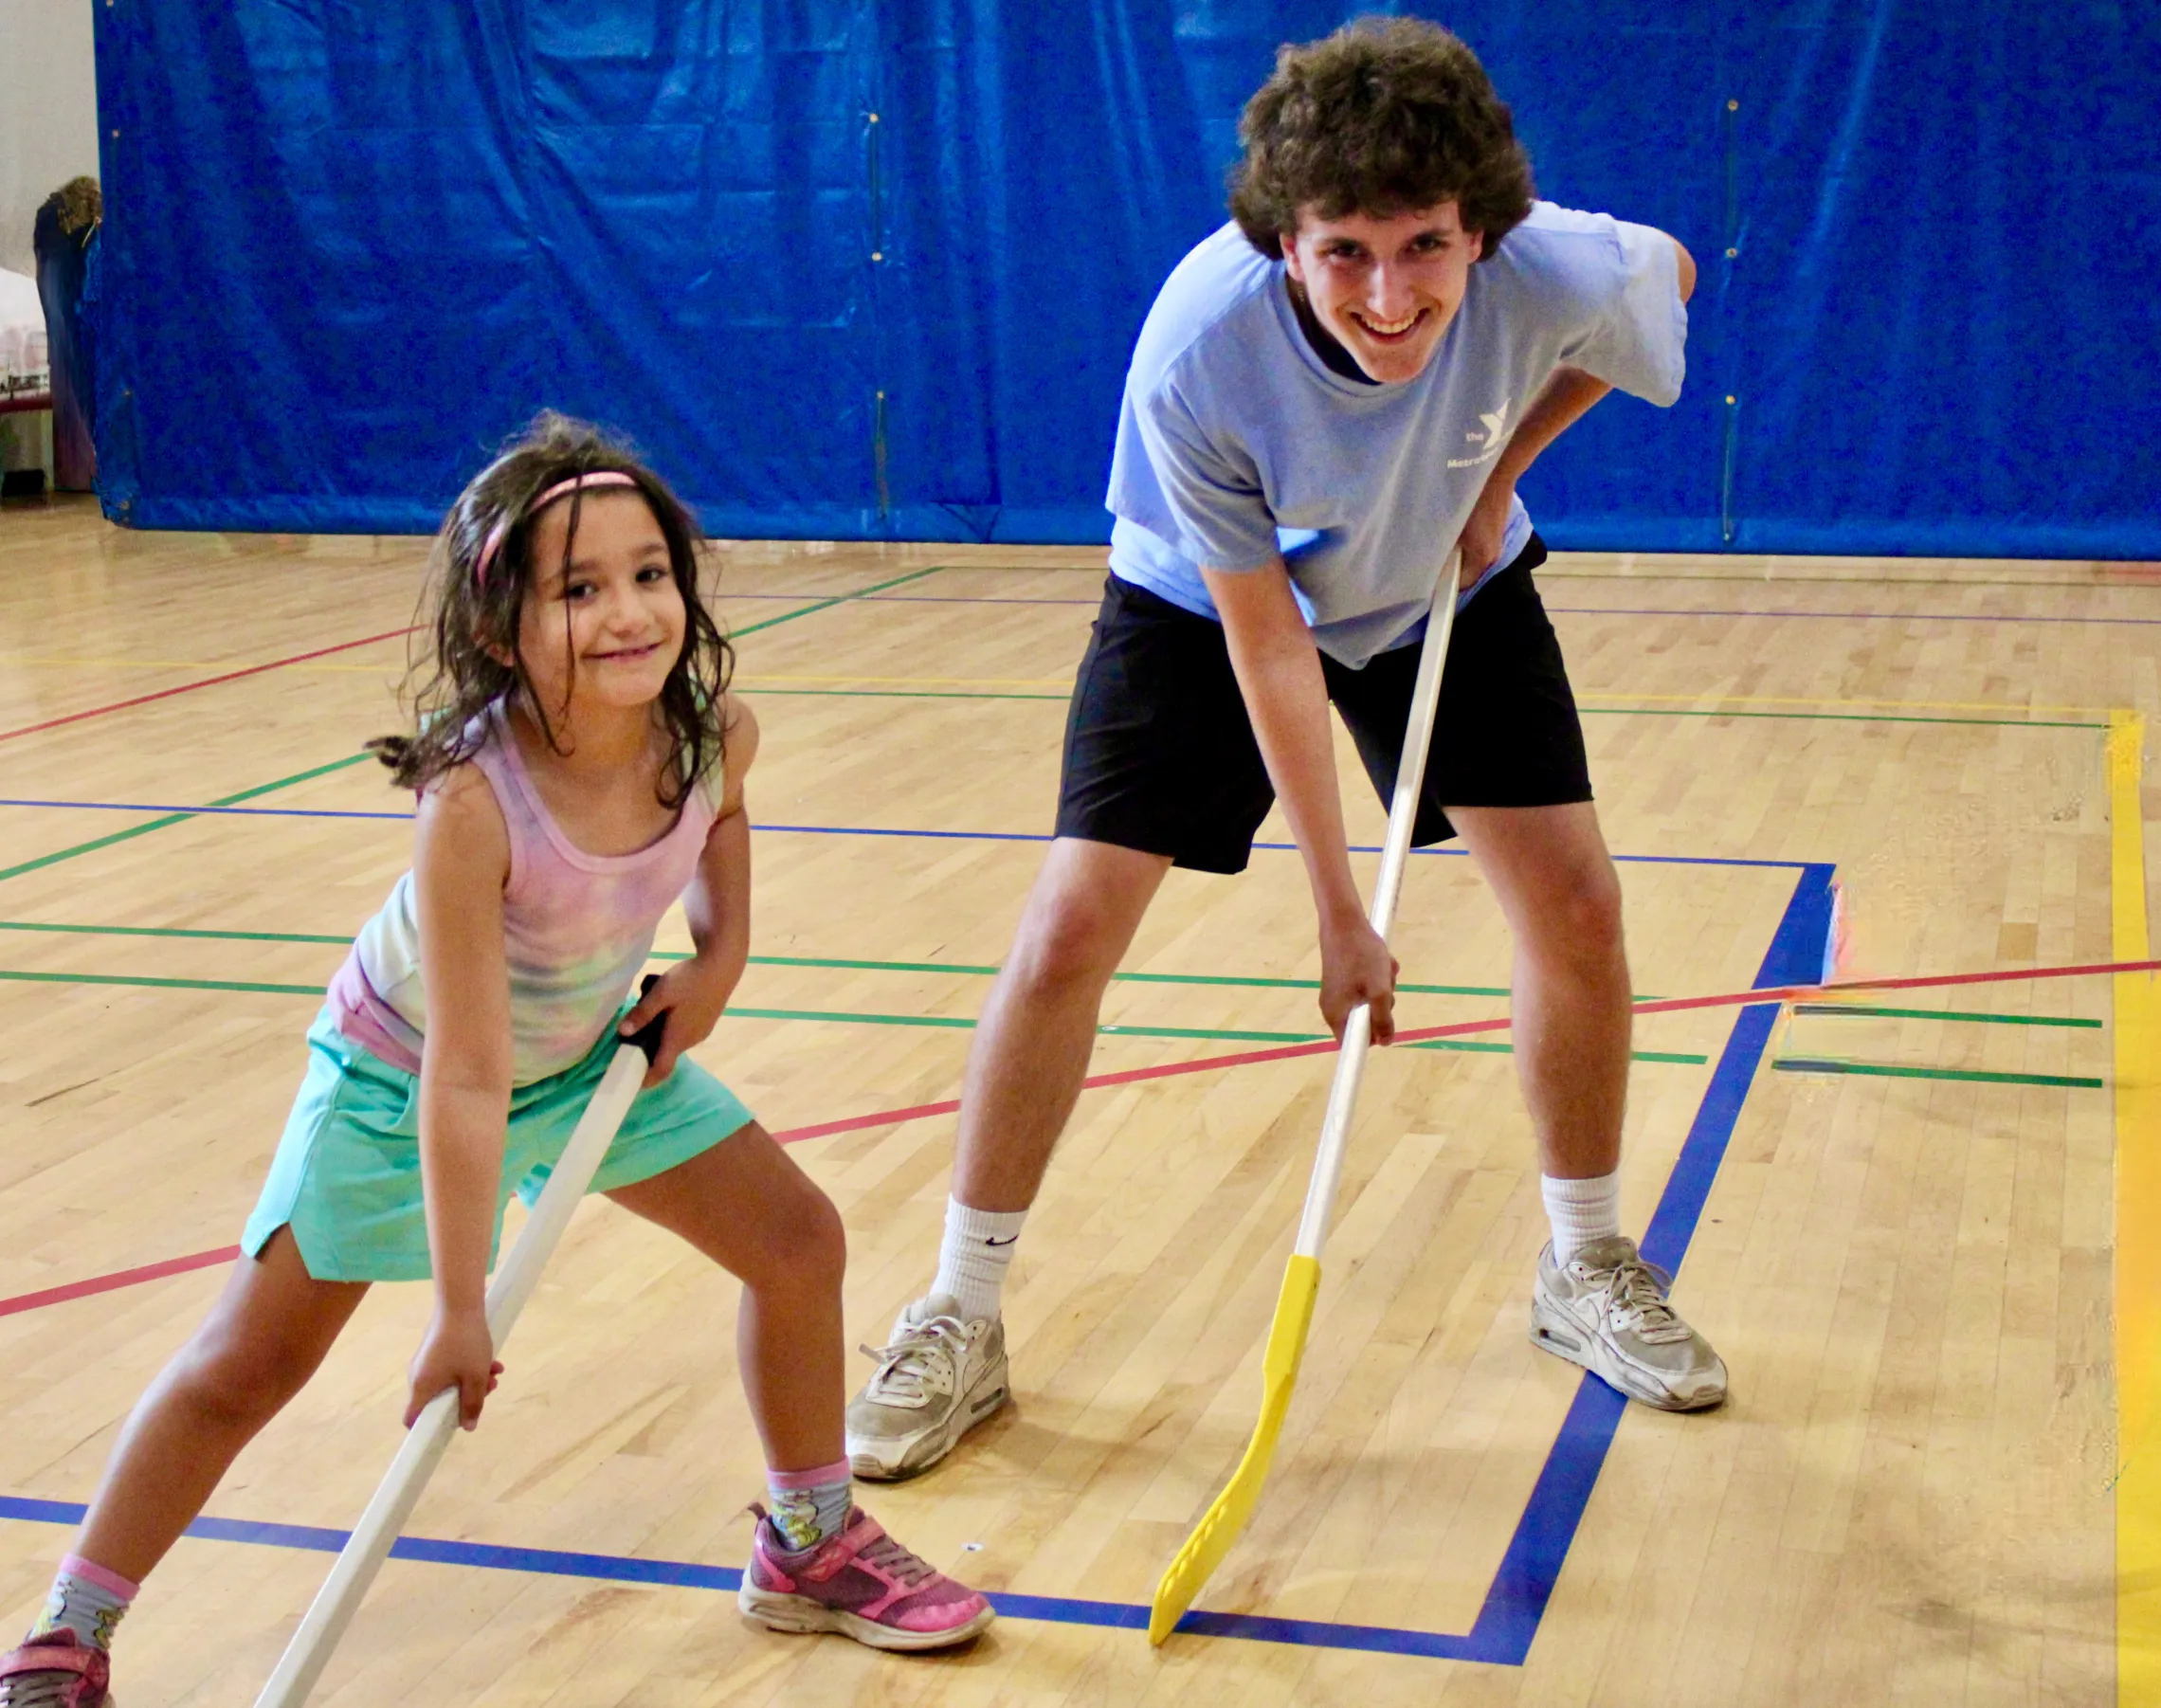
346, 1178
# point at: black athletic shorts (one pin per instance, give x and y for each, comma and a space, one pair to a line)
1160, 755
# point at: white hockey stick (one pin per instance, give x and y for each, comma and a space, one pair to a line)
339, 1598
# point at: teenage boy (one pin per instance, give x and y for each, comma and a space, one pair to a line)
1328, 393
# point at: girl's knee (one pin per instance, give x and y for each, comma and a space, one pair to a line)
264, 1338
819, 1238
243, 1374
803, 1242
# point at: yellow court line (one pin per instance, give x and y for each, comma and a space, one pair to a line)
2137, 1235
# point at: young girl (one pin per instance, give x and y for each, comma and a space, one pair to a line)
583, 769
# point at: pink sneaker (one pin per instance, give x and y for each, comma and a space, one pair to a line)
862, 1584
55, 1671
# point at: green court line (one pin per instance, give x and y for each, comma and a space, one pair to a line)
176, 818
1806, 1065
837, 1016
790, 616
1862, 1008
846, 1016
142, 981
298, 776
1483, 1047
834, 1016
1305, 984
176, 931
848, 966
958, 967
1137, 978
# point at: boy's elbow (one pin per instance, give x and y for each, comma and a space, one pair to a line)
1686, 264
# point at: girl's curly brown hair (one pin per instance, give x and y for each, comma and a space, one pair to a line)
1387, 115
474, 656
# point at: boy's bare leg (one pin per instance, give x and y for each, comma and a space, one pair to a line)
1031, 1047
945, 1371
1555, 882
1603, 1308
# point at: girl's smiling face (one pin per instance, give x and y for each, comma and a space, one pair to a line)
605, 627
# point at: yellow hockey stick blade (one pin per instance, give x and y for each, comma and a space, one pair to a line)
1220, 1525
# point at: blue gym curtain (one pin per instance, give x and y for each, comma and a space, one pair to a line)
873, 271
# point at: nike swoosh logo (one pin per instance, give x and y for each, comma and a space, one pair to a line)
1009, 1241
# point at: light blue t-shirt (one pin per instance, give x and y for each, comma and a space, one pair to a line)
1237, 443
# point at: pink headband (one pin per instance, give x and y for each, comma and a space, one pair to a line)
606, 477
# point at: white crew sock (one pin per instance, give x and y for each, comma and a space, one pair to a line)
1581, 1211
971, 1262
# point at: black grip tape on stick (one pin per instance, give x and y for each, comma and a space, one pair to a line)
647, 1037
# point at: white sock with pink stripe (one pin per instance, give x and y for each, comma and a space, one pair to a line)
87, 1600
810, 1507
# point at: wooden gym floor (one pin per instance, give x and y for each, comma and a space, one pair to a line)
1901, 1219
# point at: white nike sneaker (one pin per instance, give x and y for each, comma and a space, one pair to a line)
1606, 1309
936, 1380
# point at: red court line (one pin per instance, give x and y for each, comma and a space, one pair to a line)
894, 1118
123, 1278
1672, 1005
208, 682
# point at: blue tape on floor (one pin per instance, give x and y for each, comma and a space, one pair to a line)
1517, 1599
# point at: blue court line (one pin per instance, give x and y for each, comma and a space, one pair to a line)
1530, 1568
1271, 848
691, 1575
1516, 1601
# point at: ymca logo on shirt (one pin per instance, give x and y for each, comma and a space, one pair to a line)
1488, 437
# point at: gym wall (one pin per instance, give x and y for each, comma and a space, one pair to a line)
873, 271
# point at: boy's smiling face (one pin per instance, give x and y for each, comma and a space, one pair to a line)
1385, 289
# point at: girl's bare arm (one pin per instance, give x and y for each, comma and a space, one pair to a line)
461, 862
718, 908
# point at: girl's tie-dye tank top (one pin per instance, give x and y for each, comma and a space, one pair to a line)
577, 928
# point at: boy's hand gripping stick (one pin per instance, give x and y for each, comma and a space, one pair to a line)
339, 1598
1221, 1525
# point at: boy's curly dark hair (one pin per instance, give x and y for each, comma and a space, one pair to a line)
1385, 116
474, 657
